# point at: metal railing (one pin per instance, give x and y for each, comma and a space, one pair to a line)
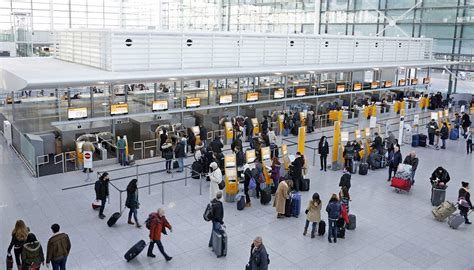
41, 160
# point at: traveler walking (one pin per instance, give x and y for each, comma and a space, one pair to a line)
32, 256
19, 235
132, 202
158, 223
323, 150
215, 176
465, 122
102, 192
58, 249
259, 258
121, 146
345, 180
281, 196
464, 201
217, 215
334, 213
313, 214
468, 137
412, 160
394, 159
88, 146
180, 153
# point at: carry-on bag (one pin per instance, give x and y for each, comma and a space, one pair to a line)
288, 208
240, 202
9, 262
438, 196
175, 164
454, 135
444, 210
455, 220
295, 204
321, 228
422, 141
219, 243
135, 250
305, 184
415, 140
352, 222
363, 168
265, 196
196, 169
96, 204
113, 219
401, 183
341, 232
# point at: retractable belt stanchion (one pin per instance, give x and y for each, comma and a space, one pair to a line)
231, 180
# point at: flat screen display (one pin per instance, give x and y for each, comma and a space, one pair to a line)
341, 88
426, 80
387, 84
76, 113
160, 105
279, 93
357, 86
414, 81
322, 90
117, 109
300, 92
253, 96
193, 102
374, 85
402, 82
225, 99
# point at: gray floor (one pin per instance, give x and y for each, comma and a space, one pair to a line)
394, 230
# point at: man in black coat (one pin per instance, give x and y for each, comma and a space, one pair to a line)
323, 149
297, 171
378, 142
465, 122
345, 179
203, 135
217, 215
216, 145
102, 192
395, 159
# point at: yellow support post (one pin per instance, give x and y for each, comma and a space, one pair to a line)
373, 111
230, 168
301, 139
256, 127
335, 147
284, 154
266, 162
229, 131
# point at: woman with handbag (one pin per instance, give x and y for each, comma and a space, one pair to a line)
167, 150
313, 214
464, 201
19, 236
132, 202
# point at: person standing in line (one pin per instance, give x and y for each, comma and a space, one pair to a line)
215, 176
464, 201
180, 153
465, 122
468, 137
32, 256
282, 194
167, 152
412, 160
313, 214
344, 197
444, 134
192, 140
394, 160
247, 176
248, 128
203, 135
432, 127
309, 121
275, 174
59, 247
217, 215
102, 192
88, 146
163, 140
264, 125
19, 235
132, 202
157, 225
345, 180
286, 125
259, 259
297, 170
334, 213
323, 150
122, 146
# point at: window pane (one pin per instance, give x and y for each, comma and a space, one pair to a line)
440, 3
366, 4
365, 29
443, 46
400, 3
336, 29
337, 4
439, 15
436, 31
467, 47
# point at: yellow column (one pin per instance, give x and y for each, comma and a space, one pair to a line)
335, 147
230, 167
301, 139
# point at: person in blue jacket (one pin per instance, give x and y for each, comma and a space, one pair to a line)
334, 209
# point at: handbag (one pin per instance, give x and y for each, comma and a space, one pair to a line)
9, 261
252, 183
462, 202
221, 185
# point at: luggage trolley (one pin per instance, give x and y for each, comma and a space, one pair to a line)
403, 178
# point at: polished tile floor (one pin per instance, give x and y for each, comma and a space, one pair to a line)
394, 230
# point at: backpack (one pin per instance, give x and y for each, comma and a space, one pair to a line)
208, 213
150, 219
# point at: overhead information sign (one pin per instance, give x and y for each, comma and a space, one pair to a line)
225, 99
300, 92
252, 96
193, 102
160, 105
374, 85
387, 84
341, 88
76, 113
279, 93
357, 86
117, 109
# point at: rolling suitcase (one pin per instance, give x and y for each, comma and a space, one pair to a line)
454, 135
422, 141
444, 210
415, 140
352, 222
341, 232
265, 196
240, 202
219, 243
305, 184
288, 208
401, 183
438, 196
113, 219
454, 221
321, 228
295, 204
135, 250
363, 168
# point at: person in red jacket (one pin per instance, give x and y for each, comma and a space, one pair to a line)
158, 224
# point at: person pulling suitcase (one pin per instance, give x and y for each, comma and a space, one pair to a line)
157, 223
464, 201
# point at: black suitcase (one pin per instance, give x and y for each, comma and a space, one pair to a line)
415, 140
113, 219
288, 208
175, 164
135, 250
265, 196
363, 168
352, 222
197, 169
241, 202
305, 184
321, 228
422, 140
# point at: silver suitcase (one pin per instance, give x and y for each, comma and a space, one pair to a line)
219, 243
455, 221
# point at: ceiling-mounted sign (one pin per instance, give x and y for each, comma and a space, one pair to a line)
387, 84
279, 93
340, 88
322, 90
426, 80
160, 105
374, 85
76, 113
225, 99
118, 109
252, 96
193, 102
402, 82
414, 81
357, 86
300, 92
